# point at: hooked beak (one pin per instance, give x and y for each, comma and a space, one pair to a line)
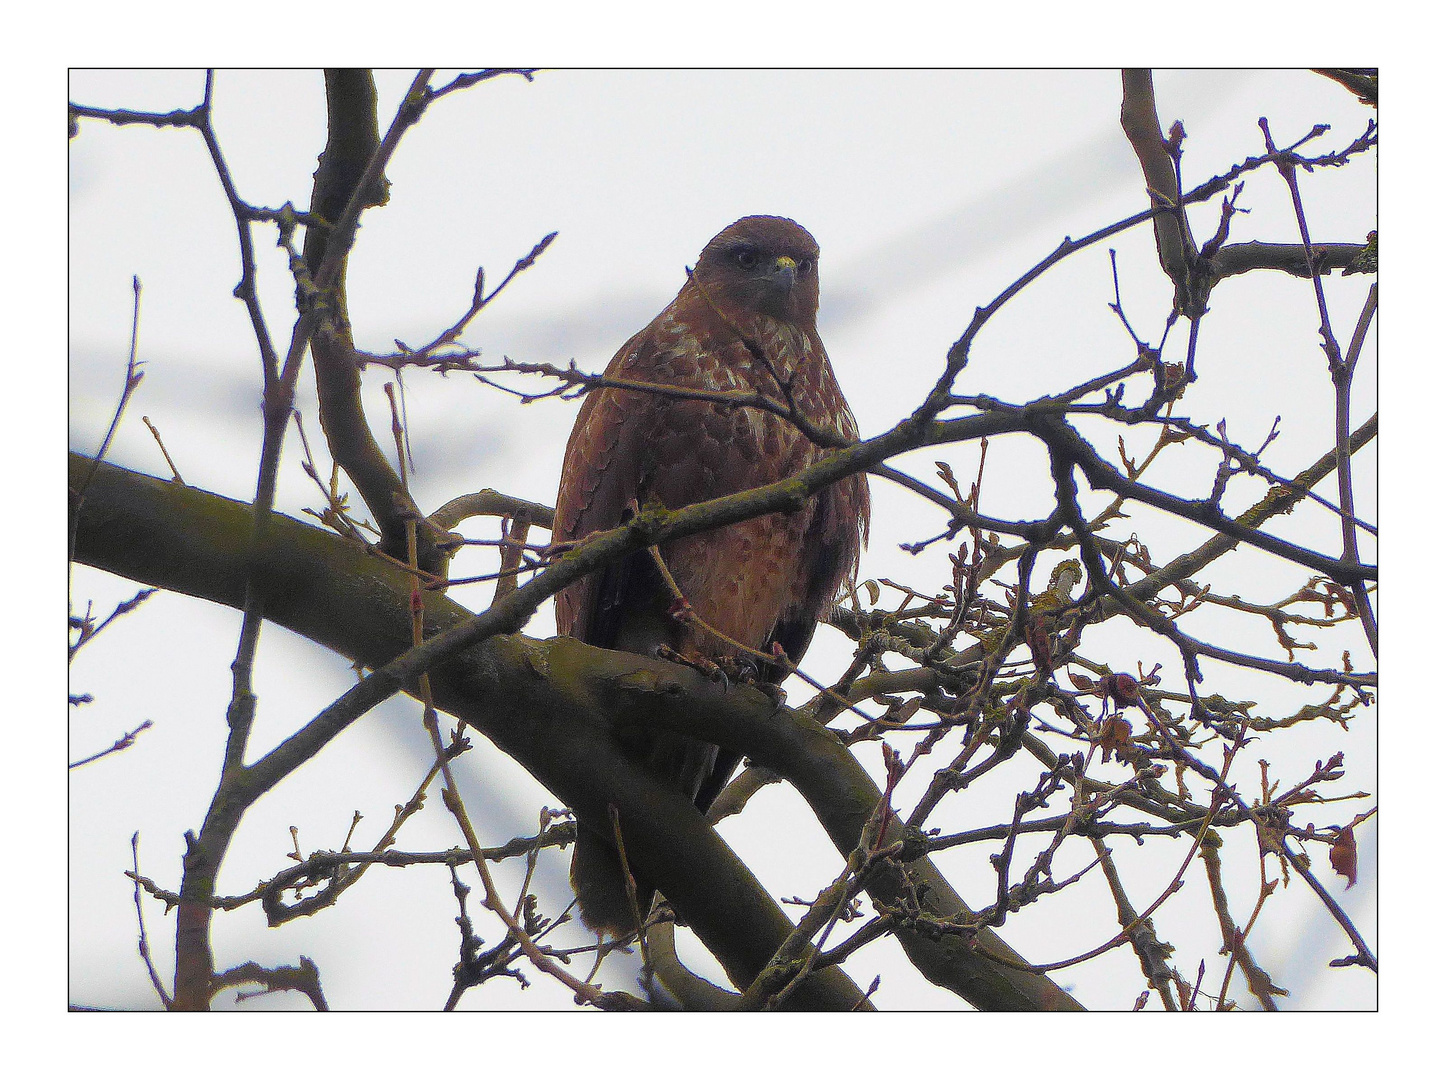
784, 273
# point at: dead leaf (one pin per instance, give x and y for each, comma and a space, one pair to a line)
1115, 737
1343, 855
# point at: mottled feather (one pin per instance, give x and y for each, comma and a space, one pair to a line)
744, 320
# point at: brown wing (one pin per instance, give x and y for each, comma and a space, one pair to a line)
609, 456
601, 475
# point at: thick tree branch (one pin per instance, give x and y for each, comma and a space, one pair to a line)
1363, 82
348, 179
1157, 158
548, 705
1235, 259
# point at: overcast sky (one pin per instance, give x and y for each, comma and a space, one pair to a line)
928, 192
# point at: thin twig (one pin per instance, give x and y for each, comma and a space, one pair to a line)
144, 943
175, 473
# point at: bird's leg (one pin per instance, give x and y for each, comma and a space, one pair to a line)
739, 663
748, 670
681, 611
775, 689
697, 661
776, 693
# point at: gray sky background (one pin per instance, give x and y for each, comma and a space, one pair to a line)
928, 193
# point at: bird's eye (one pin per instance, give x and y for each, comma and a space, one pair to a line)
805, 265
746, 257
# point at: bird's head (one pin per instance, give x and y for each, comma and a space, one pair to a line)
765, 266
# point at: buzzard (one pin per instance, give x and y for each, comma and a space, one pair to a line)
743, 321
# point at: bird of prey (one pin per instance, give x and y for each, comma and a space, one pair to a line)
744, 320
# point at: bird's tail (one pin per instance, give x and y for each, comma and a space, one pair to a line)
602, 894
597, 875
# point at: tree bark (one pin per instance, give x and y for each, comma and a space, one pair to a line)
548, 704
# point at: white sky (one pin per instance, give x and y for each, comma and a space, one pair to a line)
927, 192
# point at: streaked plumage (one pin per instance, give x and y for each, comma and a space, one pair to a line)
765, 581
